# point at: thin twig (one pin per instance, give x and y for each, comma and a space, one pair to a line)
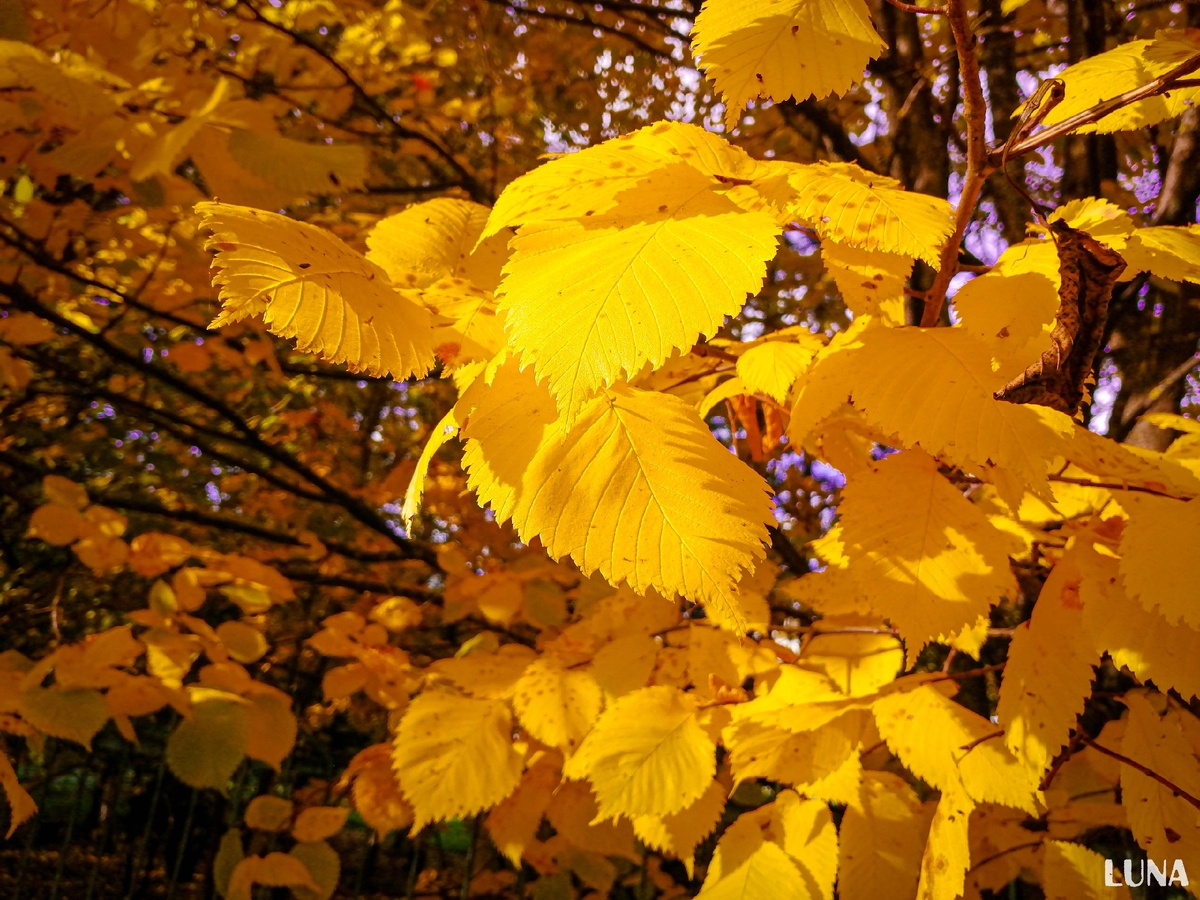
919, 10
1149, 773
1160, 85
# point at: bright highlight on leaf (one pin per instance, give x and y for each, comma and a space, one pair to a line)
590, 300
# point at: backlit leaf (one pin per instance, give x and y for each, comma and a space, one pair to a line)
454, 756
647, 755
310, 286
637, 489
782, 49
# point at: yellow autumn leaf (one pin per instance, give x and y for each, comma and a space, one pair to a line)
871, 282
858, 662
820, 763
679, 834
310, 286
1048, 676
316, 823
745, 869
1136, 638
20, 803
1166, 251
1152, 570
272, 726
273, 870
323, 865
594, 181
1129, 66
1163, 822
933, 387
782, 49
298, 168
931, 574
586, 300
557, 705
804, 828
513, 823
846, 204
638, 489
439, 435
435, 240
206, 748
882, 840
771, 367
948, 850
952, 748
375, 793
454, 756
1073, 872
74, 714
245, 643
647, 755
267, 813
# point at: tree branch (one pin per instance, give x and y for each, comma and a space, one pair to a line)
978, 167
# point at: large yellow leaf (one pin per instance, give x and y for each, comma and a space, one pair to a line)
933, 387
437, 239
882, 841
454, 756
647, 755
925, 556
205, 749
783, 48
1048, 677
1131, 65
846, 204
638, 489
1163, 822
557, 705
75, 714
1156, 556
589, 299
310, 286
951, 747
595, 180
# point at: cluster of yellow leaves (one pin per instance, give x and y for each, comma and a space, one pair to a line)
578, 322
573, 320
